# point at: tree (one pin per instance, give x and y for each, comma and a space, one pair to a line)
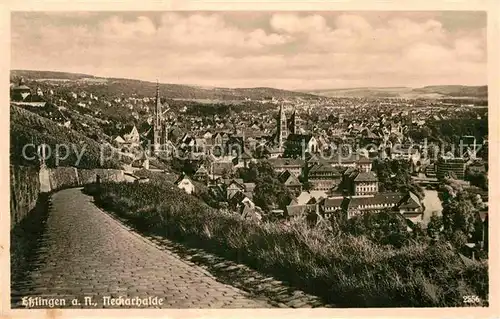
459, 215
225, 173
446, 193
420, 134
269, 192
261, 152
307, 186
294, 150
477, 178
459, 239
434, 226
337, 220
256, 170
394, 175
205, 195
385, 228
418, 232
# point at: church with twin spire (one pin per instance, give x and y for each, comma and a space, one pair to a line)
290, 139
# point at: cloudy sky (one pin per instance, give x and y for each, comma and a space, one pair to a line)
303, 50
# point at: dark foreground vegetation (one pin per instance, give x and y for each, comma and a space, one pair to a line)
344, 269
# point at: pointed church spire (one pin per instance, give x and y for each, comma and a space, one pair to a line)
157, 93
157, 125
282, 128
158, 112
294, 122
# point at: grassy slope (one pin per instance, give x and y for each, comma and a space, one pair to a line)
344, 270
27, 127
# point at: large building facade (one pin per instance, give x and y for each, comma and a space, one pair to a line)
451, 168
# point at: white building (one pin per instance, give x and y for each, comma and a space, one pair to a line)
183, 182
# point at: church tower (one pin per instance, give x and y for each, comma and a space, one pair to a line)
157, 124
282, 128
294, 123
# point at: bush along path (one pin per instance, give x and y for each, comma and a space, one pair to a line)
259, 285
342, 269
84, 252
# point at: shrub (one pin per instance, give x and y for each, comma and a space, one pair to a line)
343, 269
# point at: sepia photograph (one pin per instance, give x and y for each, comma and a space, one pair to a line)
248, 159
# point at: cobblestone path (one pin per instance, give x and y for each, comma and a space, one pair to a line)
85, 252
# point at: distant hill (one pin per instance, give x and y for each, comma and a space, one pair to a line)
441, 91
456, 90
363, 92
117, 86
36, 75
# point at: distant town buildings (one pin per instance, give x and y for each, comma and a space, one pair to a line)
307, 153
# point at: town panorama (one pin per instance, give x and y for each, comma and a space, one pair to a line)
298, 182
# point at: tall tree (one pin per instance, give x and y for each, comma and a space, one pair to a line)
434, 226
385, 228
459, 215
270, 193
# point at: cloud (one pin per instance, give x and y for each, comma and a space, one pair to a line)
468, 48
115, 27
289, 50
353, 22
292, 23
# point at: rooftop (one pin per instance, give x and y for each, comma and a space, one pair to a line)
333, 201
366, 177
411, 202
377, 199
304, 197
299, 137
364, 160
278, 162
21, 88
295, 210
323, 168
288, 178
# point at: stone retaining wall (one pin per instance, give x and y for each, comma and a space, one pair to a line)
24, 190
64, 177
27, 182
